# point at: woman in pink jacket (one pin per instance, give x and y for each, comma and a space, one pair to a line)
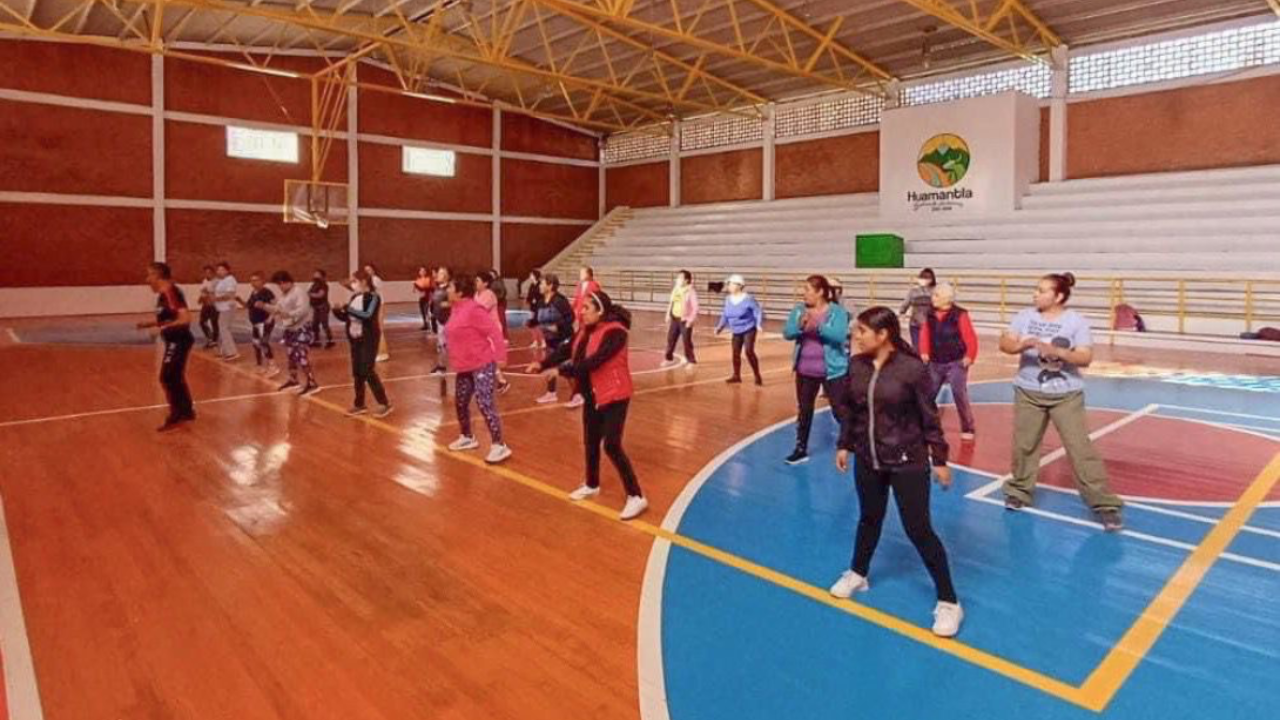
476, 348
488, 300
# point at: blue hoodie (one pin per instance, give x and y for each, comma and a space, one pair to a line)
741, 317
834, 333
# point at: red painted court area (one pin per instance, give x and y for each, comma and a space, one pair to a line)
1152, 457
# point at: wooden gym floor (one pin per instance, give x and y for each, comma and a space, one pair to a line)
279, 560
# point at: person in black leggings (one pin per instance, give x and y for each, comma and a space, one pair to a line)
891, 426
208, 313
553, 317
319, 294
361, 317
744, 318
173, 325
598, 359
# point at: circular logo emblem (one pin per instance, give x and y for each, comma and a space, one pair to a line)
944, 160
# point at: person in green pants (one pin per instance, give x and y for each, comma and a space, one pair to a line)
1054, 343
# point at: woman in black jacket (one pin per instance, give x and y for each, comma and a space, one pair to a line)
891, 427
364, 331
553, 317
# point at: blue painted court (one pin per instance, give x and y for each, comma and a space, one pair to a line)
1054, 623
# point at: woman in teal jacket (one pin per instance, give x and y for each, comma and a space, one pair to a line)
820, 329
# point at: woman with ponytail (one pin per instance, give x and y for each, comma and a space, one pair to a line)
820, 329
597, 360
891, 427
1053, 343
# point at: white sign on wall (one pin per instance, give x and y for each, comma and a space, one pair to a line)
961, 159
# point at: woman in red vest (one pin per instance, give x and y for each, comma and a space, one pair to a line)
597, 360
949, 346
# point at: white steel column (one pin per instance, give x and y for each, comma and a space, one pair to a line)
497, 189
768, 154
600, 209
673, 176
1061, 57
159, 250
353, 176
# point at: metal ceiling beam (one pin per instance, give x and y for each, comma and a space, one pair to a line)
844, 69
1003, 14
711, 30
615, 115
694, 72
434, 40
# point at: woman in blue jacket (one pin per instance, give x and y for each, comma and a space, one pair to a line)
820, 329
744, 318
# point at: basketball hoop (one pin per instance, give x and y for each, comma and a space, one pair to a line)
316, 203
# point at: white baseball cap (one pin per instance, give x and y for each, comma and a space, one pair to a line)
736, 279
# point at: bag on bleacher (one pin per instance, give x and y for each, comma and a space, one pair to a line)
1128, 319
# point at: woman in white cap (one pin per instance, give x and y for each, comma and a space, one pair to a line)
744, 318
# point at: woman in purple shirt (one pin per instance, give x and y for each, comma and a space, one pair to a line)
820, 329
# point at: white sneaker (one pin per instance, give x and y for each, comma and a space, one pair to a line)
272, 370
382, 358
849, 583
574, 402
966, 436
636, 504
497, 454
946, 619
463, 443
584, 492
669, 363
547, 398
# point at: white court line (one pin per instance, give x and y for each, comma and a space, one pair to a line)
1154, 539
651, 671
1136, 500
19, 669
1207, 519
1062, 451
1221, 412
135, 408
210, 401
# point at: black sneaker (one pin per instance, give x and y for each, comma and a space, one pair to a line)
735, 380
1012, 503
171, 424
288, 384
310, 389
438, 370
1111, 520
797, 456
760, 382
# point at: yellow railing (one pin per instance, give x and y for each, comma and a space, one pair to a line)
1185, 305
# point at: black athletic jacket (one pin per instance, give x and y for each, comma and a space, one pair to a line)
895, 406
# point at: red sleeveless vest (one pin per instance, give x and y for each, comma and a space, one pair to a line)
611, 381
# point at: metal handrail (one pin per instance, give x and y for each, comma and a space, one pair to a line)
1214, 306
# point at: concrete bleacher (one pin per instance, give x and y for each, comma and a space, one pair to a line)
1198, 253
1220, 220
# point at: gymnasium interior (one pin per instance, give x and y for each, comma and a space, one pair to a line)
276, 555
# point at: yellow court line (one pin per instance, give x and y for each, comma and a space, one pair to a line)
967, 653
1110, 675
642, 391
